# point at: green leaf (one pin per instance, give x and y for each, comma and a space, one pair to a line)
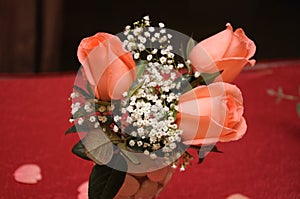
298, 109
77, 128
128, 154
190, 45
204, 150
89, 88
79, 150
98, 146
205, 78
140, 65
105, 182
81, 91
135, 88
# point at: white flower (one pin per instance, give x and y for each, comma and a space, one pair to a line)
139, 143
129, 109
151, 29
136, 55
133, 133
153, 156
147, 34
172, 145
180, 65
146, 18
161, 25
182, 168
157, 35
162, 60
131, 142
117, 118
154, 51
153, 39
197, 74
127, 28
174, 166
137, 31
115, 129
163, 31
129, 120
141, 47
74, 95
162, 39
146, 152
169, 48
130, 37
80, 121
96, 125
92, 119
88, 107
149, 57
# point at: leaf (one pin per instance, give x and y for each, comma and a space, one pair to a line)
140, 65
98, 147
79, 150
128, 154
89, 88
190, 45
135, 88
105, 182
205, 78
203, 151
81, 91
298, 109
77, 128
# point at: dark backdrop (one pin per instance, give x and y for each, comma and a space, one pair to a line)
273, 25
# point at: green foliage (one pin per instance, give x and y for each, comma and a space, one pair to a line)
79, 150
105, 181
76, 129
298, 109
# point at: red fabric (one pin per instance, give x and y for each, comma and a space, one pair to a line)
263, 164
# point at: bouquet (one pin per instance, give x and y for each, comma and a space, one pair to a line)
143, 97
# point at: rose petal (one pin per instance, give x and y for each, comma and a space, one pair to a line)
217, 44
83, 190
237, 196
250, 44
231, 68
237, 48
84, 187
129, 187
147, 190
28, 174
158, 175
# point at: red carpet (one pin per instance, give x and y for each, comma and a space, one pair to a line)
263, 164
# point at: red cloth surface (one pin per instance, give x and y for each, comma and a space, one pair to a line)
265, 163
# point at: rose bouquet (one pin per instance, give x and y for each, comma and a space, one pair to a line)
146, 95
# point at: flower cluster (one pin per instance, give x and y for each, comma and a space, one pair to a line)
155, 102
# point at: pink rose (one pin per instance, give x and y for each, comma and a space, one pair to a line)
208, 114
229, 51
108, 66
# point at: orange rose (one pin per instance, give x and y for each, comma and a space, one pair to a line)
208, 114
108, 66
229, 51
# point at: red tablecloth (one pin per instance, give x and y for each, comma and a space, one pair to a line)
265, 163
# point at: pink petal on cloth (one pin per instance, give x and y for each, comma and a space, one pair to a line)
237, 196
28, 174
83, 190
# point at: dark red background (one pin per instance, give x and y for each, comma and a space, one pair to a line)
265, 163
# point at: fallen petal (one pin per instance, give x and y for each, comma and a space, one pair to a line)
28, 174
